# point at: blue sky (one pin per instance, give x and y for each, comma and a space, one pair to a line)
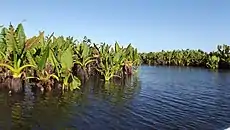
150, 25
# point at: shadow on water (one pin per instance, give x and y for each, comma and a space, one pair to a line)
67, 110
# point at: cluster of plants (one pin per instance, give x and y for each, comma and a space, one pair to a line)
51, 62
219, 59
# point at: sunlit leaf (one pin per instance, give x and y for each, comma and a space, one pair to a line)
67, 59
75, 83
43, 59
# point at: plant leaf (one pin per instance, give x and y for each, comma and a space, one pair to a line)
117, 48
24, 66
67, 59
43, 59
54, 76
85, 50
20, 37
9, 67
75, 83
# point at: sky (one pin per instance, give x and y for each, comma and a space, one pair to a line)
150, 25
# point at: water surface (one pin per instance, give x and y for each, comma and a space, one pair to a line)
157, 98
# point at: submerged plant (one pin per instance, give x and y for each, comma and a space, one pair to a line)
219, 59
50, 60
15, 41
83, 56
67, 63
213, 62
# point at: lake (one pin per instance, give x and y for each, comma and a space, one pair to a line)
162, 98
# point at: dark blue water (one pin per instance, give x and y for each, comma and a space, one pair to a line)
157, 98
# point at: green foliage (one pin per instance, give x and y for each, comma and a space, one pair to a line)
214, 60
113, 59
67, 59
66, 63
83, 55
13, 49
53, 57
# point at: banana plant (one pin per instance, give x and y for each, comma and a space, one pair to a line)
111, 61
213, 62
45, 80
108, 70
15, 41
40, 58
66, 61
83, 56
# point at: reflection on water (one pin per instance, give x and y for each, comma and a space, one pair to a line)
60, 111
157, 98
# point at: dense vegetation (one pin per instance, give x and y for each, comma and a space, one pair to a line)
51, 62
219, 59
63, 63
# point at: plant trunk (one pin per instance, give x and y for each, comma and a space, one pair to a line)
86, 74
16, 85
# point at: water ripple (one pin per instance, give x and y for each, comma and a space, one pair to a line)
161, 98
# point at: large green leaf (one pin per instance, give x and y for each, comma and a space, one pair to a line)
54, 61
117, 48
20, 37
3, 40
35, 41
10, 40
44, 57
85, 52
75, 83
12, 45
67, 59
30, 58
